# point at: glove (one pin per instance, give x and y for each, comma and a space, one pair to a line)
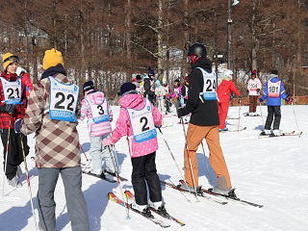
289, 100
107, 142
261, 100
8, 108
158, 126
17, 125
258, 90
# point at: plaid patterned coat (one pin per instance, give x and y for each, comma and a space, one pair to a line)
57, 142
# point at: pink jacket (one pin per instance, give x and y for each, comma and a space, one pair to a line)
98, 128
123, 125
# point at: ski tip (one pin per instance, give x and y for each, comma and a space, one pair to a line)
110, 195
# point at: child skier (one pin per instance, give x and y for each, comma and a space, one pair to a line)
138, 119
12, 107
96, 109
254, 86
273, 92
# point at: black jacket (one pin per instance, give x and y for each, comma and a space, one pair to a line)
202, 114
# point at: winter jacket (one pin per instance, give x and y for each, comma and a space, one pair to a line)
203, 113
26, 81
274, 91
225, 89
7, 120
124, 127
148, 86
254, 86
99, 125
57, 142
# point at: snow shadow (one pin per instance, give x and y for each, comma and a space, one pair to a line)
259, 127
205, 169
32, 173
21, 214
97, 201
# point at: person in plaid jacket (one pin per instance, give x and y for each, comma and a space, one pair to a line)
51, 114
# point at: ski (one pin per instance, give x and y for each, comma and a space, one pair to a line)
131, 196
198, 194
114, 198
247, 115
235, 130
113, 174
208, 191
102, 176
293, 133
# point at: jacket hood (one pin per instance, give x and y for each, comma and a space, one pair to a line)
53, 71
9, 77
204, 63
96, 97
132, 101
274, 79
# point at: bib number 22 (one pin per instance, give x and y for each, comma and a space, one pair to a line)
64, 101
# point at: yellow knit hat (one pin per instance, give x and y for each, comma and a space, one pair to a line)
52, 58
8, 59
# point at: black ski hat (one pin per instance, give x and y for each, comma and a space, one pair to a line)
197, 49
89, 85
127, 87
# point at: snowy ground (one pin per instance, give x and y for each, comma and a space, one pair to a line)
273, 172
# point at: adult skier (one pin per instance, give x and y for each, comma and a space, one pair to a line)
149, 86
273, 92
51, 114
254, 87
96, 109
225, 91
204, 121
13, 104
137, 120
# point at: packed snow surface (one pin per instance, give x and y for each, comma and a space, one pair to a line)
270, 171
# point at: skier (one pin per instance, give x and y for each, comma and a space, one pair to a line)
149, 86
51, 114
96, 109
254, 86
224, 92
138, 119
167, 102
179, 95
13, 104
160, 93
203, 106
139, 84
273, 92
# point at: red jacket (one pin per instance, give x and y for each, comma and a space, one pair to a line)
26, 81
225, 89
7, 120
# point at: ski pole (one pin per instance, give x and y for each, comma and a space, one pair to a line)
28, 182
189, 160
6, 156
294, 113
85, 154
176, 164
116, 168
261, 114
239, 115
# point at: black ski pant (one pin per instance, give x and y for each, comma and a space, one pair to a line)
145, 174
15, 155
273, 111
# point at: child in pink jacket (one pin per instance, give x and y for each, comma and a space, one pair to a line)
96, 109
137, 120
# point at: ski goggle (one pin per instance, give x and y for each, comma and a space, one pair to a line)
13, 59
192, 58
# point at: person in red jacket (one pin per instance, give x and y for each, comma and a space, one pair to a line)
12, 107
224, 91
25, 80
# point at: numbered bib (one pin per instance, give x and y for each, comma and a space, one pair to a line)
100, 112
142, 123
253, 86
11, 91
274, 89
63, 101
209, 86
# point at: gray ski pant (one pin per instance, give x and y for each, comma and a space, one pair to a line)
76, 204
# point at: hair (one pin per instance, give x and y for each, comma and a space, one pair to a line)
274, 72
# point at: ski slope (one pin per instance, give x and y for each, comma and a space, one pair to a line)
271, 171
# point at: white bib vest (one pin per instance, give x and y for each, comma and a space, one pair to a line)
12, 91
142, 123
63, 101
100, 112
274, 89
209, 86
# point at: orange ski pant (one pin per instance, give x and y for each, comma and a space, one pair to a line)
195, 135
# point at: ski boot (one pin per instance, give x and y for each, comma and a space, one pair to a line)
144, 209
266, 132
14, 182
276, 132
159, 207
223, 129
